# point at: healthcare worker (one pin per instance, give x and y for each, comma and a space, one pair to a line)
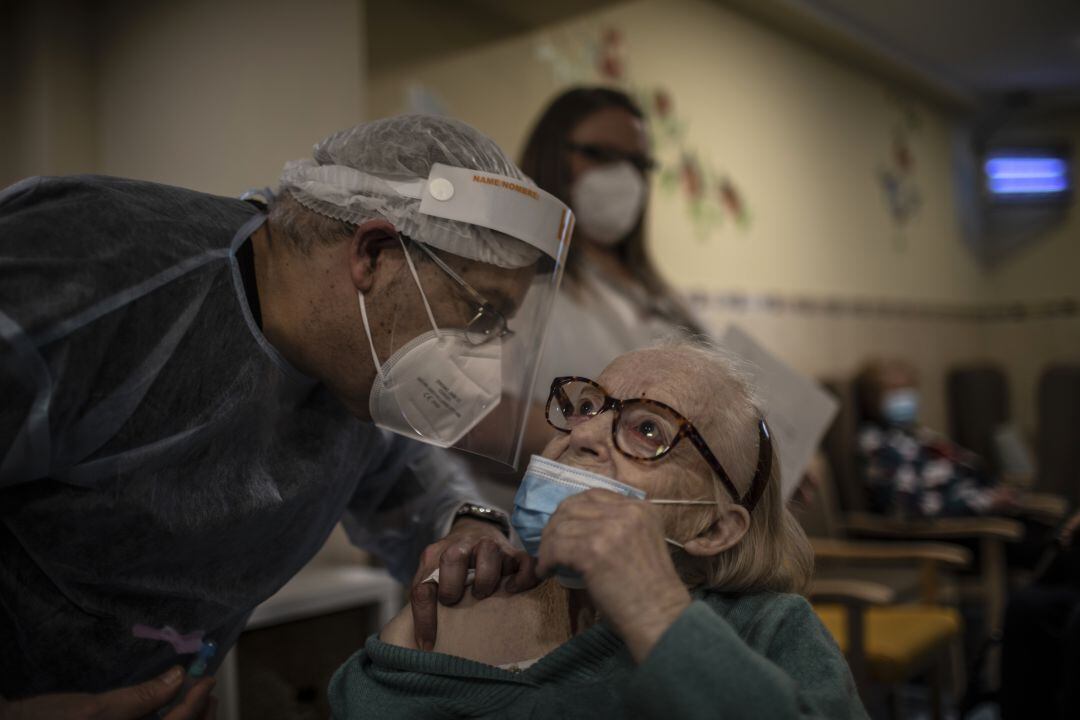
195, 391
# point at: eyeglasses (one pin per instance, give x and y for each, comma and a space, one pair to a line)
647, 430
607, 154
487, 323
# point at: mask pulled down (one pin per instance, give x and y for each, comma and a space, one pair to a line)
546, 484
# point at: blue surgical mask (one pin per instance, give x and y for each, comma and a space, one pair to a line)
900, 407
546, 484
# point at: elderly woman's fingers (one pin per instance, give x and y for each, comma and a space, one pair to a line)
524, 574
570, 543
489, 567
603, 496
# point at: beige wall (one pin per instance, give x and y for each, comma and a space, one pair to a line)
210, 95
217, 95
803, 136
1050, 266
48, 123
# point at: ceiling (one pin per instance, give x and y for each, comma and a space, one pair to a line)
968, 53
978, 48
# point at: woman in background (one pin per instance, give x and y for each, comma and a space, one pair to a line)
909, 470
590, 149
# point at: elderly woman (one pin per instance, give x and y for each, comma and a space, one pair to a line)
908, 469
659, 505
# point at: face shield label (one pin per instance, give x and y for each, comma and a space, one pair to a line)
499, 203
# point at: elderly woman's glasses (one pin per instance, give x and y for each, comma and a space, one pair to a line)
647, 430
487, 323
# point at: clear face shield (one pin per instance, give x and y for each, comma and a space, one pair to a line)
465, 377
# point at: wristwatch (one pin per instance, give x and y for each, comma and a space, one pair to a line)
482, 512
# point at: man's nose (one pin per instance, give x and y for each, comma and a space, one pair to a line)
592, 437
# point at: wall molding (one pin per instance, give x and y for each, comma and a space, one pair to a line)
878, 308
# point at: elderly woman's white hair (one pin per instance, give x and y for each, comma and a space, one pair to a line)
775, 554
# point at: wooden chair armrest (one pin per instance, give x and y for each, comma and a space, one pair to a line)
1046, 507
877, 526
891, 552
850, 592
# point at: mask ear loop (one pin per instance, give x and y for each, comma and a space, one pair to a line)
367, 331
416, 277
669, 541
427, 306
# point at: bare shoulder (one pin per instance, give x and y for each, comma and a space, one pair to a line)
500, 629
400, 631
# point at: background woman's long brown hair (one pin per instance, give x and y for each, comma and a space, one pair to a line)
546, 161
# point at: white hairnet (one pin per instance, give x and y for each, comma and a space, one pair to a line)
347, 180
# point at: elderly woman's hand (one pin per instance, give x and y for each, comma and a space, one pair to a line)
617, 545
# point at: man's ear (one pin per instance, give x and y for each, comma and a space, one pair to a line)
725, 532
367, 243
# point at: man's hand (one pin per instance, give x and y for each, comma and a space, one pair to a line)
471, 544
130, 703
617, 545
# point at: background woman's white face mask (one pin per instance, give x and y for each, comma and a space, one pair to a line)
608, 201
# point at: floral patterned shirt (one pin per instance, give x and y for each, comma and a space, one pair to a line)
915, 472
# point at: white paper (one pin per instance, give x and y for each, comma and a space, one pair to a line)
1015, 457
797, 409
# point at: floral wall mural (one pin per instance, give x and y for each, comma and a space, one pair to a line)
711, 194
896, 175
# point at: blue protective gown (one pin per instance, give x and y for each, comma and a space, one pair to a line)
160, 462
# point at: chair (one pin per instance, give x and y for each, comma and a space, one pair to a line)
988, 587
977, 398
978, 405
1059, 432
888, 636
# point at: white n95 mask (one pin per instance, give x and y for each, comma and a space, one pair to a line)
546, 484
608, 201
437, 386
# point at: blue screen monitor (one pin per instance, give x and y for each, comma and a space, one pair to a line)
1019, 177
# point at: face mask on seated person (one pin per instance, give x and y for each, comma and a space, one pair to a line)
900, 407
546, 484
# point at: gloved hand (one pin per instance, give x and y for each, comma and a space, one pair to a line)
470, 544
130, 703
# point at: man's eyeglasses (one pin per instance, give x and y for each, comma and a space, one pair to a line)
606, 154
647, 430
487, 323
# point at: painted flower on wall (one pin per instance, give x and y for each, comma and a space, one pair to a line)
609, 62
711, 196
896, 177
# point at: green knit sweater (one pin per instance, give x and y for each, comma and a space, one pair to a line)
726, 656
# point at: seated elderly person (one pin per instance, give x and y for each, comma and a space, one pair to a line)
657, 509
908, 469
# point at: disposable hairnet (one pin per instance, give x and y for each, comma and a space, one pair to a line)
347, 181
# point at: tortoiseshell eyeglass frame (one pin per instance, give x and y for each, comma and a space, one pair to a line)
686, 429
